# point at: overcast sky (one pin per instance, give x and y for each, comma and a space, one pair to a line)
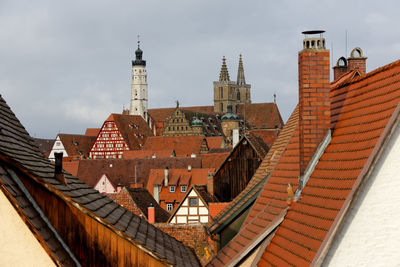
66, 65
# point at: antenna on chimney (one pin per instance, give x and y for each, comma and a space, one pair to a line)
135, 177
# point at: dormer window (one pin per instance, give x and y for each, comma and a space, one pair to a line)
172, 188
169, 206
183, 188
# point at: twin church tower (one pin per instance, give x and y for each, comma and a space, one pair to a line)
225, 91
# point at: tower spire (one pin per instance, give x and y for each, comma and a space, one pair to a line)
224, 75
240, 75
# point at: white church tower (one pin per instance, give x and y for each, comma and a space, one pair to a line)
139, 86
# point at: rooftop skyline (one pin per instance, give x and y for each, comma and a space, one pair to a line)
67, 66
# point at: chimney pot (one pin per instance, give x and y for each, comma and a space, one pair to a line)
151, 214
58, 173
166, 176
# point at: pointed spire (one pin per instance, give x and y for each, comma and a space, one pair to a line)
240, 75
224, 75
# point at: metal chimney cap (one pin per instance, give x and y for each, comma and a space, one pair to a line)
313, 32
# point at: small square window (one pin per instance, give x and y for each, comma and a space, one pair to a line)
172, 189
183, 188
193, 202
169, 206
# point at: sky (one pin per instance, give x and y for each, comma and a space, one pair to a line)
66, 65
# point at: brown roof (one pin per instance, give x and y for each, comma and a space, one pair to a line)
207, 197
213, 160
257, 143
215, 141
147, 154
267, 165
133, 129
162, 114
183, 146
92, 131
77, 145
45, 145
71, 167
21, 159
143, 199
123, 170
261, 115
267, 135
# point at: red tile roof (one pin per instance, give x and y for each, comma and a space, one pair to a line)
215, 142
215, 207
183, 146
92, 131
77, 145
363, 110
213, 160
71, 166
369, 104
268, 135
147, 154
123, 170
261, 115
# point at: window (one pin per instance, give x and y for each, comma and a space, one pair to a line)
238, 95
183, 188
193, 202
169, 206
172, 189
58, 143
221, 93
221, 107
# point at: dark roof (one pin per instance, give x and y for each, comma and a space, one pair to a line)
247, 196
143, 199
76, 144
210, 123
207, 197
257, 143
163, 114
44, 145
18, 151
123, 170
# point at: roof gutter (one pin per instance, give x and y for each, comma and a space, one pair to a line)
391, 126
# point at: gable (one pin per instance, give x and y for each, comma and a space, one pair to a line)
57, 148
104, 185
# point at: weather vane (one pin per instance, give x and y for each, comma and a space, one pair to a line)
138, 40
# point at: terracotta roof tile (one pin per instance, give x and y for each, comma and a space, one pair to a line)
71, 167
92, 131
261, 115
215, 141
266, 166
147, 154
359, 119
268, 135
213, 160
215, 208
183, 146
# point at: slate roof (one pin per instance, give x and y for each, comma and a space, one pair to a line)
363, 112
77, 145
183, 146
17, 149
257, 181
123, 170
211, 125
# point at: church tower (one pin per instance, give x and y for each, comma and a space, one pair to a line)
225, 91
243, 93
139, 86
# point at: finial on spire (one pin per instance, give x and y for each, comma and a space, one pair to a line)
240, 76
138, 41
224, 75
274, 98
177, 103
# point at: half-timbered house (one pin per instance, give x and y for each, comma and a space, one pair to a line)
118, 134
194, 207
73, 146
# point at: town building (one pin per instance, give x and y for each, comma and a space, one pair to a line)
194, 207
322, 202
51, 218
118, 134
73, 146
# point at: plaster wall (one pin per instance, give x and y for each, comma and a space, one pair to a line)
370, 235
105, 186
18, 246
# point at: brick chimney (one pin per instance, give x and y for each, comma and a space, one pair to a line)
151, 217
314, 102
357, 59
58, 169
210, 183
340, 68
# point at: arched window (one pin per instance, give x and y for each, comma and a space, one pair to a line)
221, 92
238, 95
221, 107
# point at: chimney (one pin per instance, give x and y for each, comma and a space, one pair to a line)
340, 68
151, 216
58, 170
314, 102
357, 60
119, 187
166, 174
210, 183
235, 137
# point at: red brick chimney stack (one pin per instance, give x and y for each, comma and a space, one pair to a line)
357, 60
314, 102
340, 68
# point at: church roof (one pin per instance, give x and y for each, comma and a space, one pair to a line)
224, 75
240, 75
